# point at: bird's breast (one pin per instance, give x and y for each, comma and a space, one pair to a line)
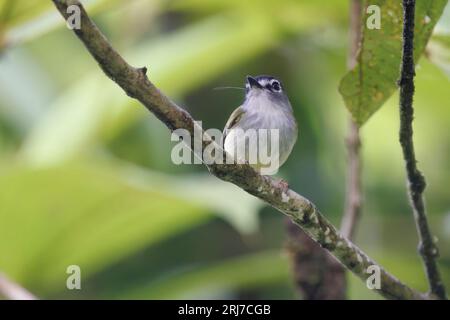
282, 121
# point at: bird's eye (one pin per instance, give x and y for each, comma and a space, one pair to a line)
276, 86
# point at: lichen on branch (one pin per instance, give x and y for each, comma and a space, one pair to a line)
300, 210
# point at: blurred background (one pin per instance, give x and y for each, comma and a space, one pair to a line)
86, 176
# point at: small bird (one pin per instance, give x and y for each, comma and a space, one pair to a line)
266, 106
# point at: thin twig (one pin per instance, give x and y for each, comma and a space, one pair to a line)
13, 291
353, 199
416, 181
301, 211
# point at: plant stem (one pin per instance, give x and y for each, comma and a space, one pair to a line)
416, 181
316, 273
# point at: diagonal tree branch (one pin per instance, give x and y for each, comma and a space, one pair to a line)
300, 210
416, 181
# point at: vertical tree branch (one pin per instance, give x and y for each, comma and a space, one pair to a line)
416, 181
353, 200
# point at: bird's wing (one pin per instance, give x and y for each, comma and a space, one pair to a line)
233, 120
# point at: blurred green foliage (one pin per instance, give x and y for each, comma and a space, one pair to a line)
367, 87
86, 176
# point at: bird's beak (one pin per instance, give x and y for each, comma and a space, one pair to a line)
253, 83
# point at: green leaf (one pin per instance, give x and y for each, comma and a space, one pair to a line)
374, 79
93, 216
58, 135
80, 214
247, 271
